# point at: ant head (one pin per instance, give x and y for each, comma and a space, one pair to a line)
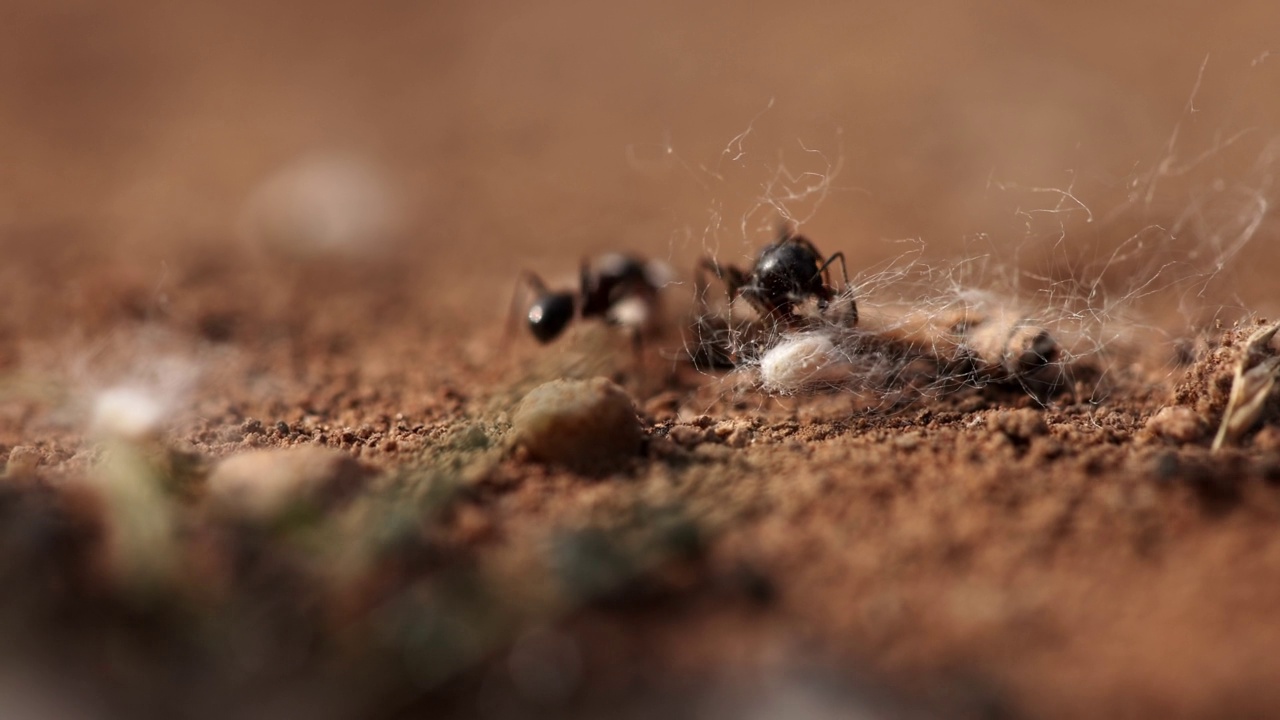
549, 314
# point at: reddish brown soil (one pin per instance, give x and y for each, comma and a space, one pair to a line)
969, 553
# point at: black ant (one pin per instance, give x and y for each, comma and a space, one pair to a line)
786, 275
619, 289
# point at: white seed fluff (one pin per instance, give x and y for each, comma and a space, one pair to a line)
803, 361
327, 203
127, 413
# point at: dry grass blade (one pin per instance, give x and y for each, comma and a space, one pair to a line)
1255, 378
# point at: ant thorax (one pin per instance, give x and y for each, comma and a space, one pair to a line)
788, 270
625, 290
612, 279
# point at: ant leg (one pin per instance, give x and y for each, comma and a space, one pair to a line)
637, 346
714, 334
844, 270
737, 283
531, 279
807, 244
585, 280
732, 277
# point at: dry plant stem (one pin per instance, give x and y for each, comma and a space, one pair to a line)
1254, 380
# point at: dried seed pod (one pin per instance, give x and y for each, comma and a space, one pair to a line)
1254, 380
999, 346
1006, 346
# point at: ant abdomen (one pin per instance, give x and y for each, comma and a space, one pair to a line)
549, 314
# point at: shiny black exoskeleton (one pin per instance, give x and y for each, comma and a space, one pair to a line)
603, 287
787, 274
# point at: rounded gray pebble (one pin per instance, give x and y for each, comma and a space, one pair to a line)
585, 425
263, 484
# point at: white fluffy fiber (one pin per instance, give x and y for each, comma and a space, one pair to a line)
127, 413
802, 362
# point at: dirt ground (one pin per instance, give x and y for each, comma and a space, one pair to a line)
236, 226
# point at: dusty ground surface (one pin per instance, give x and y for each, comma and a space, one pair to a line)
958, 552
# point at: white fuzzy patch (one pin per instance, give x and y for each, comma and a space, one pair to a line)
803, 361
632, 312
127, 413
325, 203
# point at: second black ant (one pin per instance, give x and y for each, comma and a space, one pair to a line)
618, 288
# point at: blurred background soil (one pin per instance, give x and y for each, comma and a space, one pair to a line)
301, 223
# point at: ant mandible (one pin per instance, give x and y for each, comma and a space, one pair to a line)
618, 288
786, 275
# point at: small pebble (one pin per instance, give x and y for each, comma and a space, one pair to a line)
664, 406
1020, 425
739, 438
262, 484
1178, 423
909, 441
688, 435
23, 460
734, 433
725, 428
1047, 448
666, 449
586, 425
1267, 439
